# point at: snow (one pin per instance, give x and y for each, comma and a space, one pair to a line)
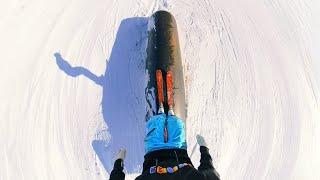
72, 86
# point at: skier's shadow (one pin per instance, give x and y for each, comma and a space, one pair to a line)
123, 102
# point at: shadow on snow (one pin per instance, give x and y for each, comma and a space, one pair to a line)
123, 101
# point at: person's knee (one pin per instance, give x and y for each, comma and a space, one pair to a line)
175, 121
157, 118
174, 118
155, 125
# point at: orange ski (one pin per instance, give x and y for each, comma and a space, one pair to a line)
160, 87
169, 82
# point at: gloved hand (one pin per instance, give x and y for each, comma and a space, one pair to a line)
201, 141
121, 154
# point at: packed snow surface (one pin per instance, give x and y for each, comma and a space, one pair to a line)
72, 86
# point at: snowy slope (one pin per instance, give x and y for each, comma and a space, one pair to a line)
72, 77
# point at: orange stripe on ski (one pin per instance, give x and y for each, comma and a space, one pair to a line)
160, 86
170, 89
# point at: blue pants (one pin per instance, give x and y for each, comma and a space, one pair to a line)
154, 139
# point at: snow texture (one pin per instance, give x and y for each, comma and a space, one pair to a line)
72, 77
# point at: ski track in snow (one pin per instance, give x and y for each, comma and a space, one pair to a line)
252, 78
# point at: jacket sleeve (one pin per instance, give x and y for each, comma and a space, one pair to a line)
117, 172
206, 168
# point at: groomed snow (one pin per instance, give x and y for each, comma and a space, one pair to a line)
72, 86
